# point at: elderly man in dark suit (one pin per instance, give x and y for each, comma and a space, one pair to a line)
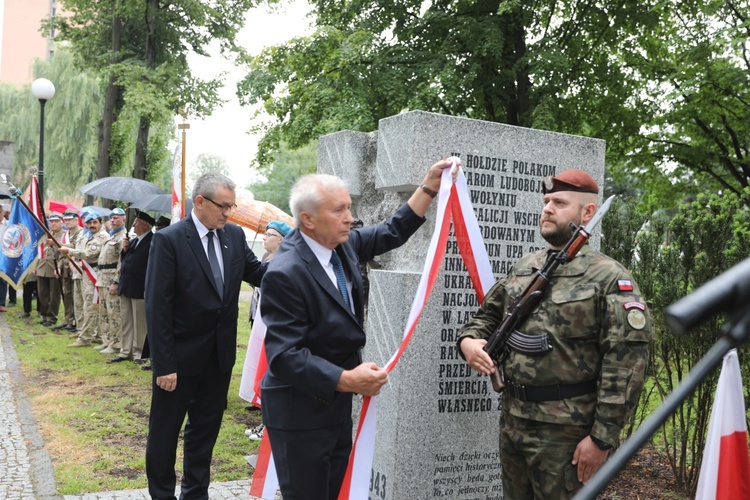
131, 288
195, 270
312, 304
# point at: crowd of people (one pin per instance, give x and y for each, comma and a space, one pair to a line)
564, 405
97, 274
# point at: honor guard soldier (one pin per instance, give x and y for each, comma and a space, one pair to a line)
575, 368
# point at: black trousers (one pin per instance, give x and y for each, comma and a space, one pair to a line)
311, 464
29, 291
203, 398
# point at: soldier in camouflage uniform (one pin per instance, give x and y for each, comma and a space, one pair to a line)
564, 407
109, 273
88, 249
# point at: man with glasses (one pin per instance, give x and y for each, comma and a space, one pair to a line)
195, 270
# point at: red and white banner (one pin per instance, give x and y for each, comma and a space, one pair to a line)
453, 202
255, 362
725, 472
37, 209
178, 204
89, 271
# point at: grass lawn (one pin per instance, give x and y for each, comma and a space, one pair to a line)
93, 416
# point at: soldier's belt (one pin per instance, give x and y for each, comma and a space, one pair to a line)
531, 345
549, 392
108, 266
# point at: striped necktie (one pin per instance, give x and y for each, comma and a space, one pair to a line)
338, 270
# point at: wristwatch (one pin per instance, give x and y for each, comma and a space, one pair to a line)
601, 444
429, 191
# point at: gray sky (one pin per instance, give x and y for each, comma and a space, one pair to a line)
225, 133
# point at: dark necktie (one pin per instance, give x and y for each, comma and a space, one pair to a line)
338, 270
135, 244
214, 262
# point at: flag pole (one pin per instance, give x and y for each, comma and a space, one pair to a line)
18, 196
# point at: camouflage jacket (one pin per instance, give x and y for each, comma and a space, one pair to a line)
109, 259
599, 328
88, 249
63, 264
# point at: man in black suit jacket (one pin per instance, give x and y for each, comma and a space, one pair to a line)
131, 286
195, 270
314, 332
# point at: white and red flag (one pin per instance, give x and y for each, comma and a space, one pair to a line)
35, 206
725, 472
178, 203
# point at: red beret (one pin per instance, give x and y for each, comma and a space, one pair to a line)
570, 180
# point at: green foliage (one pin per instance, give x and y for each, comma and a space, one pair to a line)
70, 117
673, 257
288, 166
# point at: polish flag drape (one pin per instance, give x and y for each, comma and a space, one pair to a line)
91, 274
255, 362
453, 202
725, 472
35, 205
178, 204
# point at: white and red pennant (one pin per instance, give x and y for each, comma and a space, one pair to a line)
453, 203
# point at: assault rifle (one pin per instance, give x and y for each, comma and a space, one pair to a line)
506, 334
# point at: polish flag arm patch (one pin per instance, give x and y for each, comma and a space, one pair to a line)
625, 285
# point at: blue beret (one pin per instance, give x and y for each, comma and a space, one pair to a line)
117, 211
282, 227
91, 216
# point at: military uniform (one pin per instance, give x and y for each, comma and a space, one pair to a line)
66, 276
48, 284
108, 274
599, 330
88, 249
576, 366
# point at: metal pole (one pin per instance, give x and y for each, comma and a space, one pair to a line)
40, 175
183, 127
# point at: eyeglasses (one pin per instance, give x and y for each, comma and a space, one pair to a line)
273, 235
223, 208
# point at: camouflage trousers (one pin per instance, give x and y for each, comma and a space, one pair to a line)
110, 324
536, 458
88, 331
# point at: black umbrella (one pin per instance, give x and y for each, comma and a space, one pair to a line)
159, 203
127, 189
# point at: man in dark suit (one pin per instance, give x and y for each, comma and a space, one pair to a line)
314, 314
130, 286
193, 280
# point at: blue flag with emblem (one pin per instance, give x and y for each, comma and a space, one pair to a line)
19, 245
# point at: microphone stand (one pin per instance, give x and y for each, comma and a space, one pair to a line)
735, 334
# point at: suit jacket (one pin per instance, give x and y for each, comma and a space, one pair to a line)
312, 336
133, 264
186, 318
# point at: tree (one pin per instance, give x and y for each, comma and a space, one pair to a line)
205, 163
664, 83
540, 65
147, 63
70, 118
288, 166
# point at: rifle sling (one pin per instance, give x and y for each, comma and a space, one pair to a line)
549, 392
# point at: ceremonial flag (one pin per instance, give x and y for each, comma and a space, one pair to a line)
725, 472
178, 204
19, 247
255, 362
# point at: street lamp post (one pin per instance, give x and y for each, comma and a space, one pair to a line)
43, 90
